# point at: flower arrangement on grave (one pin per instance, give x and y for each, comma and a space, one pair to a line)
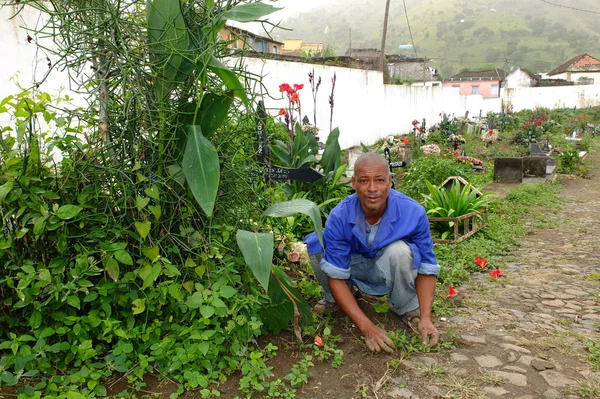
456, 140
472, 160
309, 128
430, 149
448, 126
489, 135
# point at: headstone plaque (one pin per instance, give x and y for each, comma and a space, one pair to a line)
508, 169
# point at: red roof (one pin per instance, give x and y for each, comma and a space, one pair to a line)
582, 63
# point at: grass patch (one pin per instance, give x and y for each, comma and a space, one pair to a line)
430, 370
462, 388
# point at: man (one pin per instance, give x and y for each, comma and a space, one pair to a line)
379, 241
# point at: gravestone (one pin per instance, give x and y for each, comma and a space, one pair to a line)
535, 166
508, 170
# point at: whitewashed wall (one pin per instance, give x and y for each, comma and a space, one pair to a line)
553, 97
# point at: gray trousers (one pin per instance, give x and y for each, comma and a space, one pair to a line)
390, 273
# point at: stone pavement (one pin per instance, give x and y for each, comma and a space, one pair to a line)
524, 336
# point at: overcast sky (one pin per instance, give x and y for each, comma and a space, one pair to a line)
291, 7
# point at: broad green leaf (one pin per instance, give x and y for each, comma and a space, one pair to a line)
149, 274
112, 268
5, 189
35, 321
68, 211
203, 347
226, 291
169, 38
39, 226
194, 301
201, 169
151, 253
249, 12
123, 257
138, 306
74, 301
206, 311
257, 249
74, 395
143, 228
290, 208
152, 192
213, 112
141, 202
331, 158
229, 78
155, 210
175, 291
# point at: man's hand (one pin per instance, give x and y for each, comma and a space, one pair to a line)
376, 340
429, 334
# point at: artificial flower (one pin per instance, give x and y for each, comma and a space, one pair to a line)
451, 292
496, 273
319, 341
293, 256
481, 262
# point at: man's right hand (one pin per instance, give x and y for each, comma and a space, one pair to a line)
376, 340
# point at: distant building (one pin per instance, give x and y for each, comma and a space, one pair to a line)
583, 69
298, 47
485, 83
243, 39
520, 78
400, 67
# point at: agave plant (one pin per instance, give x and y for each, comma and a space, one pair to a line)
452, 203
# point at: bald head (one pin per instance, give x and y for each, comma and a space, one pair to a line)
371, 159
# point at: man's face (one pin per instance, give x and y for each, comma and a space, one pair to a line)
372, 182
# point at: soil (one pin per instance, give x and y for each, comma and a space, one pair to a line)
521, 336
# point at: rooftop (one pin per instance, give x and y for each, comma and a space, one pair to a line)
490, 74
582, 62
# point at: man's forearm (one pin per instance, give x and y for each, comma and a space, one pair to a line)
425, 285
344, 297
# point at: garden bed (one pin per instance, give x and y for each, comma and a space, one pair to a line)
469, 223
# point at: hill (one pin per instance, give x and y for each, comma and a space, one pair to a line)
458, 34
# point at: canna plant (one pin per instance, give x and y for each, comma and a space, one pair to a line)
452, 203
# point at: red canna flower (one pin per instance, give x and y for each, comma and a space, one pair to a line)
319, 341
294, 97
284, 87
440, 114
298, 87
481, 262
282, 112
405, 141
539, 122
496, 273
451, 292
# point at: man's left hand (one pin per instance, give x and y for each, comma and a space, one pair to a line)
429, 334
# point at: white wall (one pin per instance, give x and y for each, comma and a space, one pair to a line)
553, 97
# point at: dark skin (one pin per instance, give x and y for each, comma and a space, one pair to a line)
372, 182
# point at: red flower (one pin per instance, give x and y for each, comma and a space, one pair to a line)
298, 87
481, 262
319, 341
490, 132
451, 292
456, 153
415, 122
282, 112
440, 114
539, 122
496, 273
405, 141
284, 87
294, 97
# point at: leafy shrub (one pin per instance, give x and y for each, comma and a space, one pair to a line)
435, 170
452, 203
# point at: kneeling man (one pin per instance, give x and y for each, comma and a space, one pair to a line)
378, 241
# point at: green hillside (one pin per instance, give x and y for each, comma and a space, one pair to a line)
527, 33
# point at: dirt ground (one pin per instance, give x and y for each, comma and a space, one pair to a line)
522, 336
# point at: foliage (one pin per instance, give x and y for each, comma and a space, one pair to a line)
568, 161
141, 279
444, 203
434, 169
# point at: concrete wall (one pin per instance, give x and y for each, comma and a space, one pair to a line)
553, 97
518, 78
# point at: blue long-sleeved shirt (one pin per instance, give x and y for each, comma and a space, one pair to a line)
345, 235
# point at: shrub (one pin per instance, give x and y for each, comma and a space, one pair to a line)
435, 170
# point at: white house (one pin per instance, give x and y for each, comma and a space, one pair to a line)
583, 69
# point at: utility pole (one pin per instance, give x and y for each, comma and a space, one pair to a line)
382, 63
